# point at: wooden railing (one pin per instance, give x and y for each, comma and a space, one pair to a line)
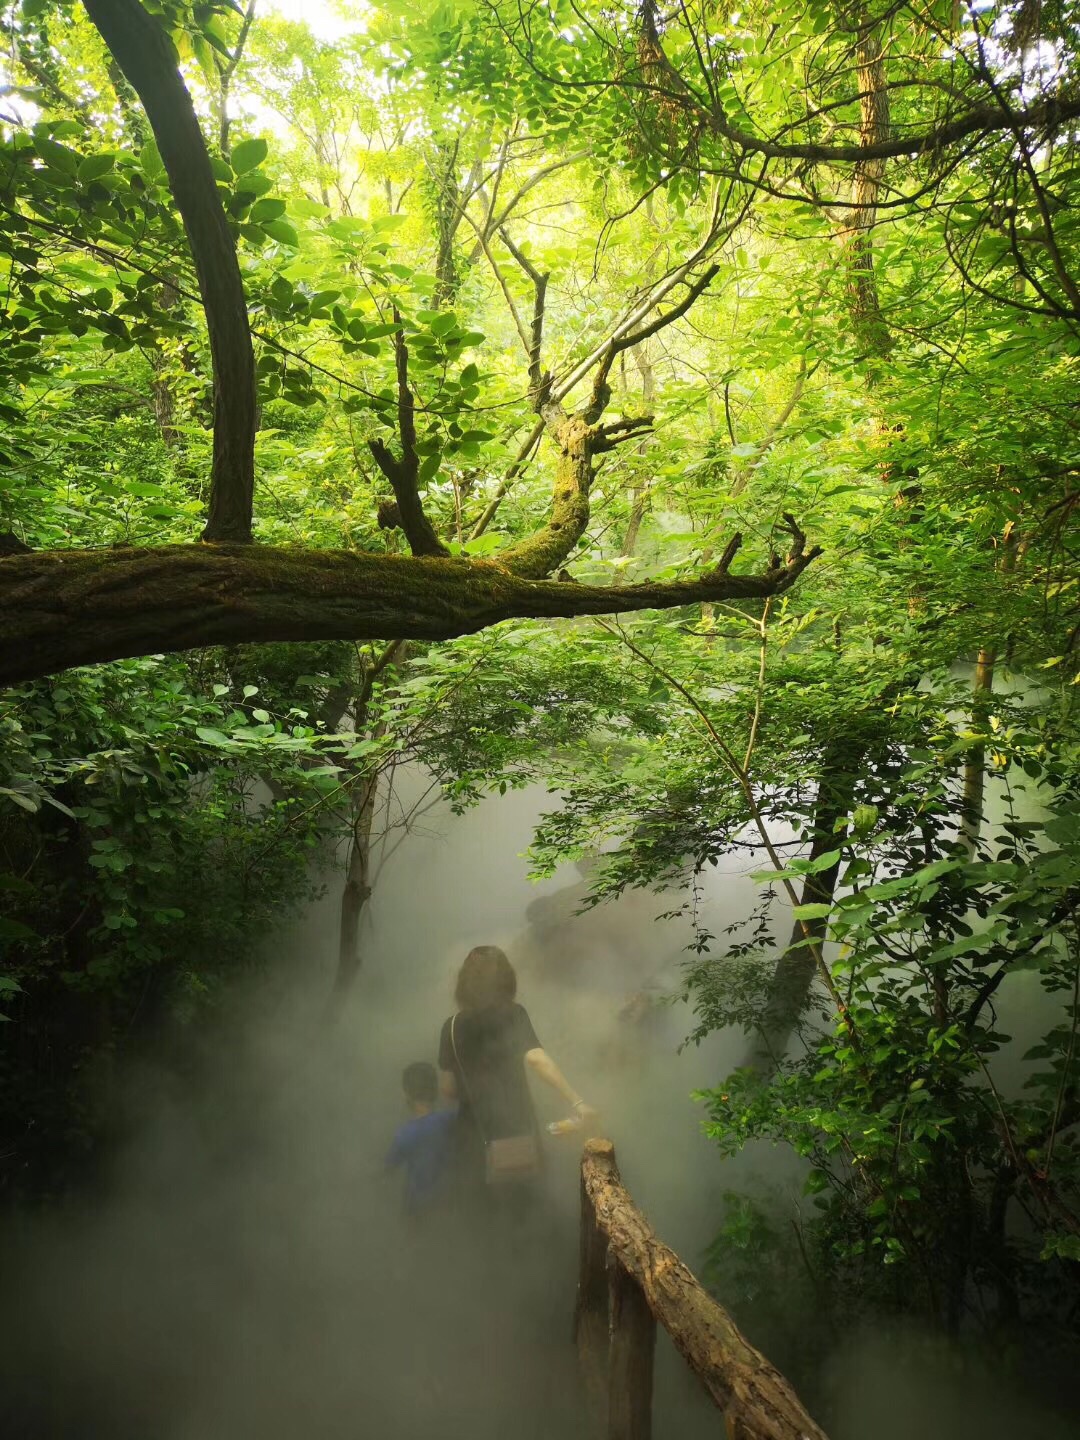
628, 1282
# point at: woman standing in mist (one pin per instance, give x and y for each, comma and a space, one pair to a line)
485, 1051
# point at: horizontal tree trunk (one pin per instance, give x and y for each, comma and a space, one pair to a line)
757, 1402
61, 608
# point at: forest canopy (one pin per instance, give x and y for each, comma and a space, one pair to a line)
706, 377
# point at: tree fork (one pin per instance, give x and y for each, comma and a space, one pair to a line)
144, 53
61, 608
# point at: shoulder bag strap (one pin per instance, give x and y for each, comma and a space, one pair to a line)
464, 1079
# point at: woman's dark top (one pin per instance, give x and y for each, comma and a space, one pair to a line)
491, 1045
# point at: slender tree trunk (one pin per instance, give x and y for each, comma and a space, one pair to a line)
135, 122
161, 385
357, 890
864, 302
226, 72
793, 976
362, 798
639, 492
447, 195
971, 805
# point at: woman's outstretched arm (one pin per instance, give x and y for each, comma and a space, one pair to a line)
542, 1065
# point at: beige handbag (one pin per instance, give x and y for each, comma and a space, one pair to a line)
514, 1157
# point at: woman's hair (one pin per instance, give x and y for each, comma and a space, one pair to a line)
486, 978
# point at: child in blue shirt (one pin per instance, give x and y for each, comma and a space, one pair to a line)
422, 1145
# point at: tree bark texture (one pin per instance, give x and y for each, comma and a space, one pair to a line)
864, 301
78, 607
448, 207
756, 1400
546, 550
143, 51
630, 1359
591, 1312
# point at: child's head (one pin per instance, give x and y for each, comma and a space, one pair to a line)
420, 1084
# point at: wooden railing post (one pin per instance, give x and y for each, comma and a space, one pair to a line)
632, 1343
616, 1324
591, 1313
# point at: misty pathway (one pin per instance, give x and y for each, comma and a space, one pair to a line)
247, 1271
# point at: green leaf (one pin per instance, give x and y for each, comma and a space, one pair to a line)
283, 232
212, 736
92, 167
59, 157
22, 799
268, 209
823, 862
151, 161
248, 155
14, 930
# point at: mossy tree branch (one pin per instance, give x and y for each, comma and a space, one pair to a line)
79, 607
